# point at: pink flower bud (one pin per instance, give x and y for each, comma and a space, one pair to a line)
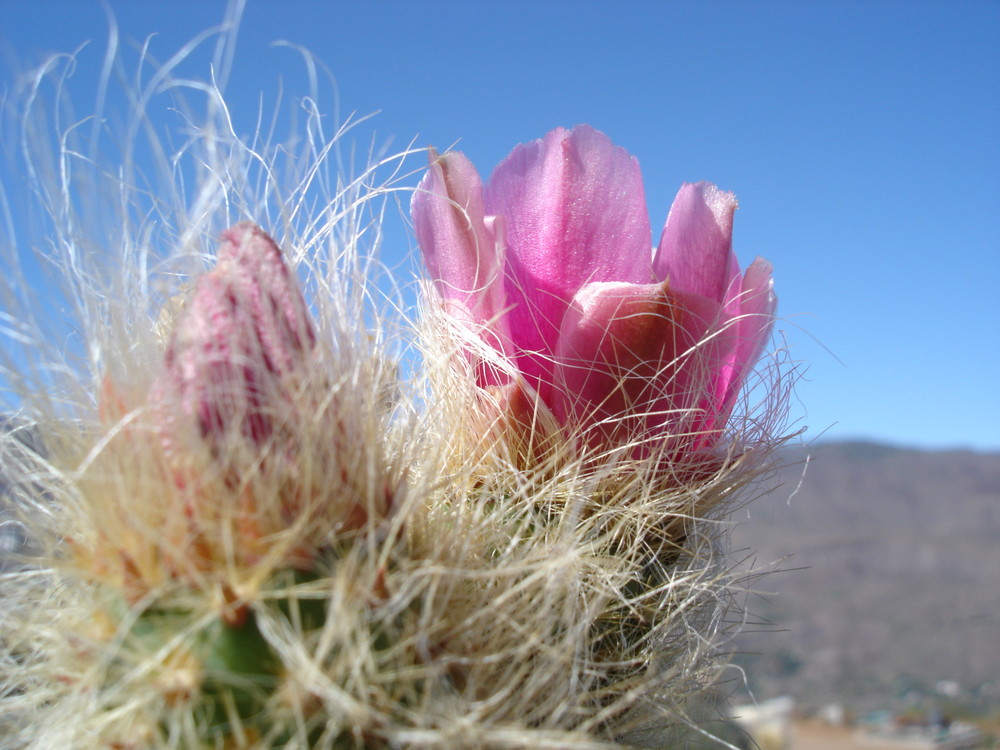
244, 335
234, 380
620, 344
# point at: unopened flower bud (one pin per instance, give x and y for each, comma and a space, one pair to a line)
233, 356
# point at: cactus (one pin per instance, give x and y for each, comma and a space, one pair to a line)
272, 511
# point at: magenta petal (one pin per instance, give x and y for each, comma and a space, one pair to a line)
576, 210
576, 213
757, 305
633, 360
457, 242
695, 251
757, 309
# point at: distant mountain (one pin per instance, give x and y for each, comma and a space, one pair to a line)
891, 582
16, 441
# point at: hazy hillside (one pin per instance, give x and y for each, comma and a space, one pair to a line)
893, 579
16, 441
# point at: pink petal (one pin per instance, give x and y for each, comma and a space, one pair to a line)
456, 239
695, 251
576, 213
633, 361
757, 305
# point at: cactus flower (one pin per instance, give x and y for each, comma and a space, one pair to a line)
553, 259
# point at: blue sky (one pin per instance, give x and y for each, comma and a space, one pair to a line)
862, 139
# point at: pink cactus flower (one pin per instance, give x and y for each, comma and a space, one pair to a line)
553, 259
